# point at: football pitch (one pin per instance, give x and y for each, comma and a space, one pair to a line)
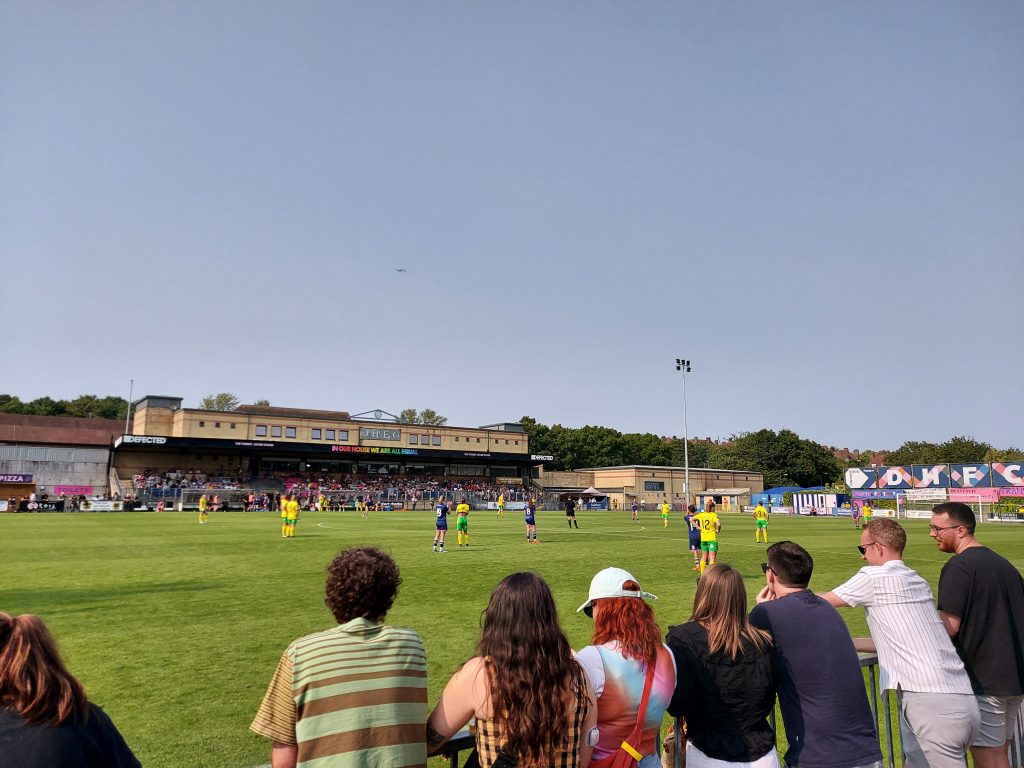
175, 628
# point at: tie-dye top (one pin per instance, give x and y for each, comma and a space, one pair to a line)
619, 685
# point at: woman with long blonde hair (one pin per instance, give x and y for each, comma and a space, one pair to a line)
530, 697
725, 688
45, 718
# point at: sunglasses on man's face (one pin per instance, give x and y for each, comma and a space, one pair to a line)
863, 548
764, 568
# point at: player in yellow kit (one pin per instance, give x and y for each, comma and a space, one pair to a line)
283, 503
665, 509
462, 522
501, 505
866, 513
291, 511
709, 525
761, 521
203, 504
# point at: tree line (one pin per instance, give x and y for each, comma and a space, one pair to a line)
83, 406
783, 458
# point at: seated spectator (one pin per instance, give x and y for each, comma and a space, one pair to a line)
45, 718
381, 717
531, 699
627, 648
724, 683
821, 687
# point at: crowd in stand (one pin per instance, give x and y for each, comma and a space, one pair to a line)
152, 479
957, 669
339, 490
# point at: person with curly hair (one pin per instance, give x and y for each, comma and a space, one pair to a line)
627, 647
45, 717
355, 694
533, 705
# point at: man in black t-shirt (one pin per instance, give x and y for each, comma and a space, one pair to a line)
821, 687
981, 603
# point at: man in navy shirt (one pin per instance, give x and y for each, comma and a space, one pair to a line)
821, 687
441, 527
694, 533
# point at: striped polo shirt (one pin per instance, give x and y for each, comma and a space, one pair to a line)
914, 650
354, 695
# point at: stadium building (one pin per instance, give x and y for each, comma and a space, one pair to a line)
50, 457
650, 485
262, 441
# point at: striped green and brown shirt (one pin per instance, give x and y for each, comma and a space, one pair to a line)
354, 695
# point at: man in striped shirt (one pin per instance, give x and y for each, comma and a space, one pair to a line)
354, 695
938, 712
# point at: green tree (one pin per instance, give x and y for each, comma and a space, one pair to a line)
914, 452
427, 416
963, 449
46, 406
111, 408
83, 407
1004, 454
783, 458
432, 418
223, 401
262, 403
11, 404
699, 454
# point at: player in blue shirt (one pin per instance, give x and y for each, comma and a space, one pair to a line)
694, 535
635, 508
441, 527
531, 521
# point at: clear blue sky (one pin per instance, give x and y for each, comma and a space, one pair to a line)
820, 204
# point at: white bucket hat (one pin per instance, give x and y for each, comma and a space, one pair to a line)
608, 583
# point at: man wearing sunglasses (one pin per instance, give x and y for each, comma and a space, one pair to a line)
939, 716
981, 602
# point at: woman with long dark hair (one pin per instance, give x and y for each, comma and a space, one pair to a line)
533, 705
724, 684
45, 718
627, 647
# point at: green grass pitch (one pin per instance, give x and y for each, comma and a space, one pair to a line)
175, 627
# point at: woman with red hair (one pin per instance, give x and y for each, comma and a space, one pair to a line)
626, 659
45, 718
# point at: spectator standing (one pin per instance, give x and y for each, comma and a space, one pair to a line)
938, 713
821, 687
627, 649
381, 716
533, 704
981, 603
724, 683
46, 720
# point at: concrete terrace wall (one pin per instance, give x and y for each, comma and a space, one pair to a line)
57, 466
